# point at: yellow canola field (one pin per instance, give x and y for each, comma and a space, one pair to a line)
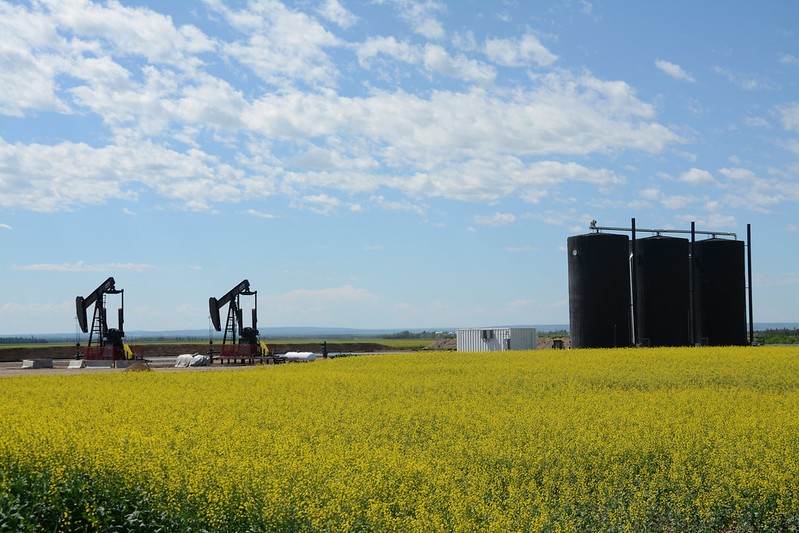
700, 439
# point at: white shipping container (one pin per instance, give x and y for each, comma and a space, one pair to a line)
495, 339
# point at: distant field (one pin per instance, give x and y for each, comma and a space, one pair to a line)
400, 344
403, 344
661, 439
38, 345
17, 352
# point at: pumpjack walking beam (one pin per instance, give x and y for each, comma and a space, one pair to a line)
99, 318
231, 299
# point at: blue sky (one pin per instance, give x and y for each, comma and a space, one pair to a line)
381, 164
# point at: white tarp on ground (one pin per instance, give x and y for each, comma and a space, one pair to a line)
192, 359
200, 360
300, 356
184, 360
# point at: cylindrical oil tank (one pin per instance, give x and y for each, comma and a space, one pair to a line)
662, 273
719, 292
599, 290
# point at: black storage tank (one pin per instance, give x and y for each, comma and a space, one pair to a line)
719, 292
662, 273
599, 290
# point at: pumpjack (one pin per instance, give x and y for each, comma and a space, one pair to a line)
249, 345
105, 336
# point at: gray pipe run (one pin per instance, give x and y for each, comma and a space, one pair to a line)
596, 228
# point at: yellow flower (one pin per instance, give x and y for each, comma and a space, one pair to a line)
623, 439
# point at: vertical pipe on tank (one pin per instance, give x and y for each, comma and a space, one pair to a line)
634, 314
691, 288
749, 281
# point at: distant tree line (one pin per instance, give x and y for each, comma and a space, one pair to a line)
168, 338
553, 334
778, 336
420, 335
22, 340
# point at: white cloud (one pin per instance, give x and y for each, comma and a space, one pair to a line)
791, 145
521, 249
352, 182
756, 122
31, 56
789, 59
331, 159
562, 115
676, 201
696, 176
390, 46
710, 221
719, 221
398, 205
207, 102
438, 60
650, 193
745, 189
259, 214
283, 45
16, 316
81, 266
333, 11
326, 306
67, 175
789, 115
464, 41
432, 57
167, 125
674, 71
495, 220
5, 226
422, 16
716, 219
739, 174
519, 52
132, 31
615, 97
488, 181
558, 218
668, 201
322, 203
743, 81
586, 8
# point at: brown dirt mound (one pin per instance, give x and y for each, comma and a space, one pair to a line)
549, 343
139, 366
442, 345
